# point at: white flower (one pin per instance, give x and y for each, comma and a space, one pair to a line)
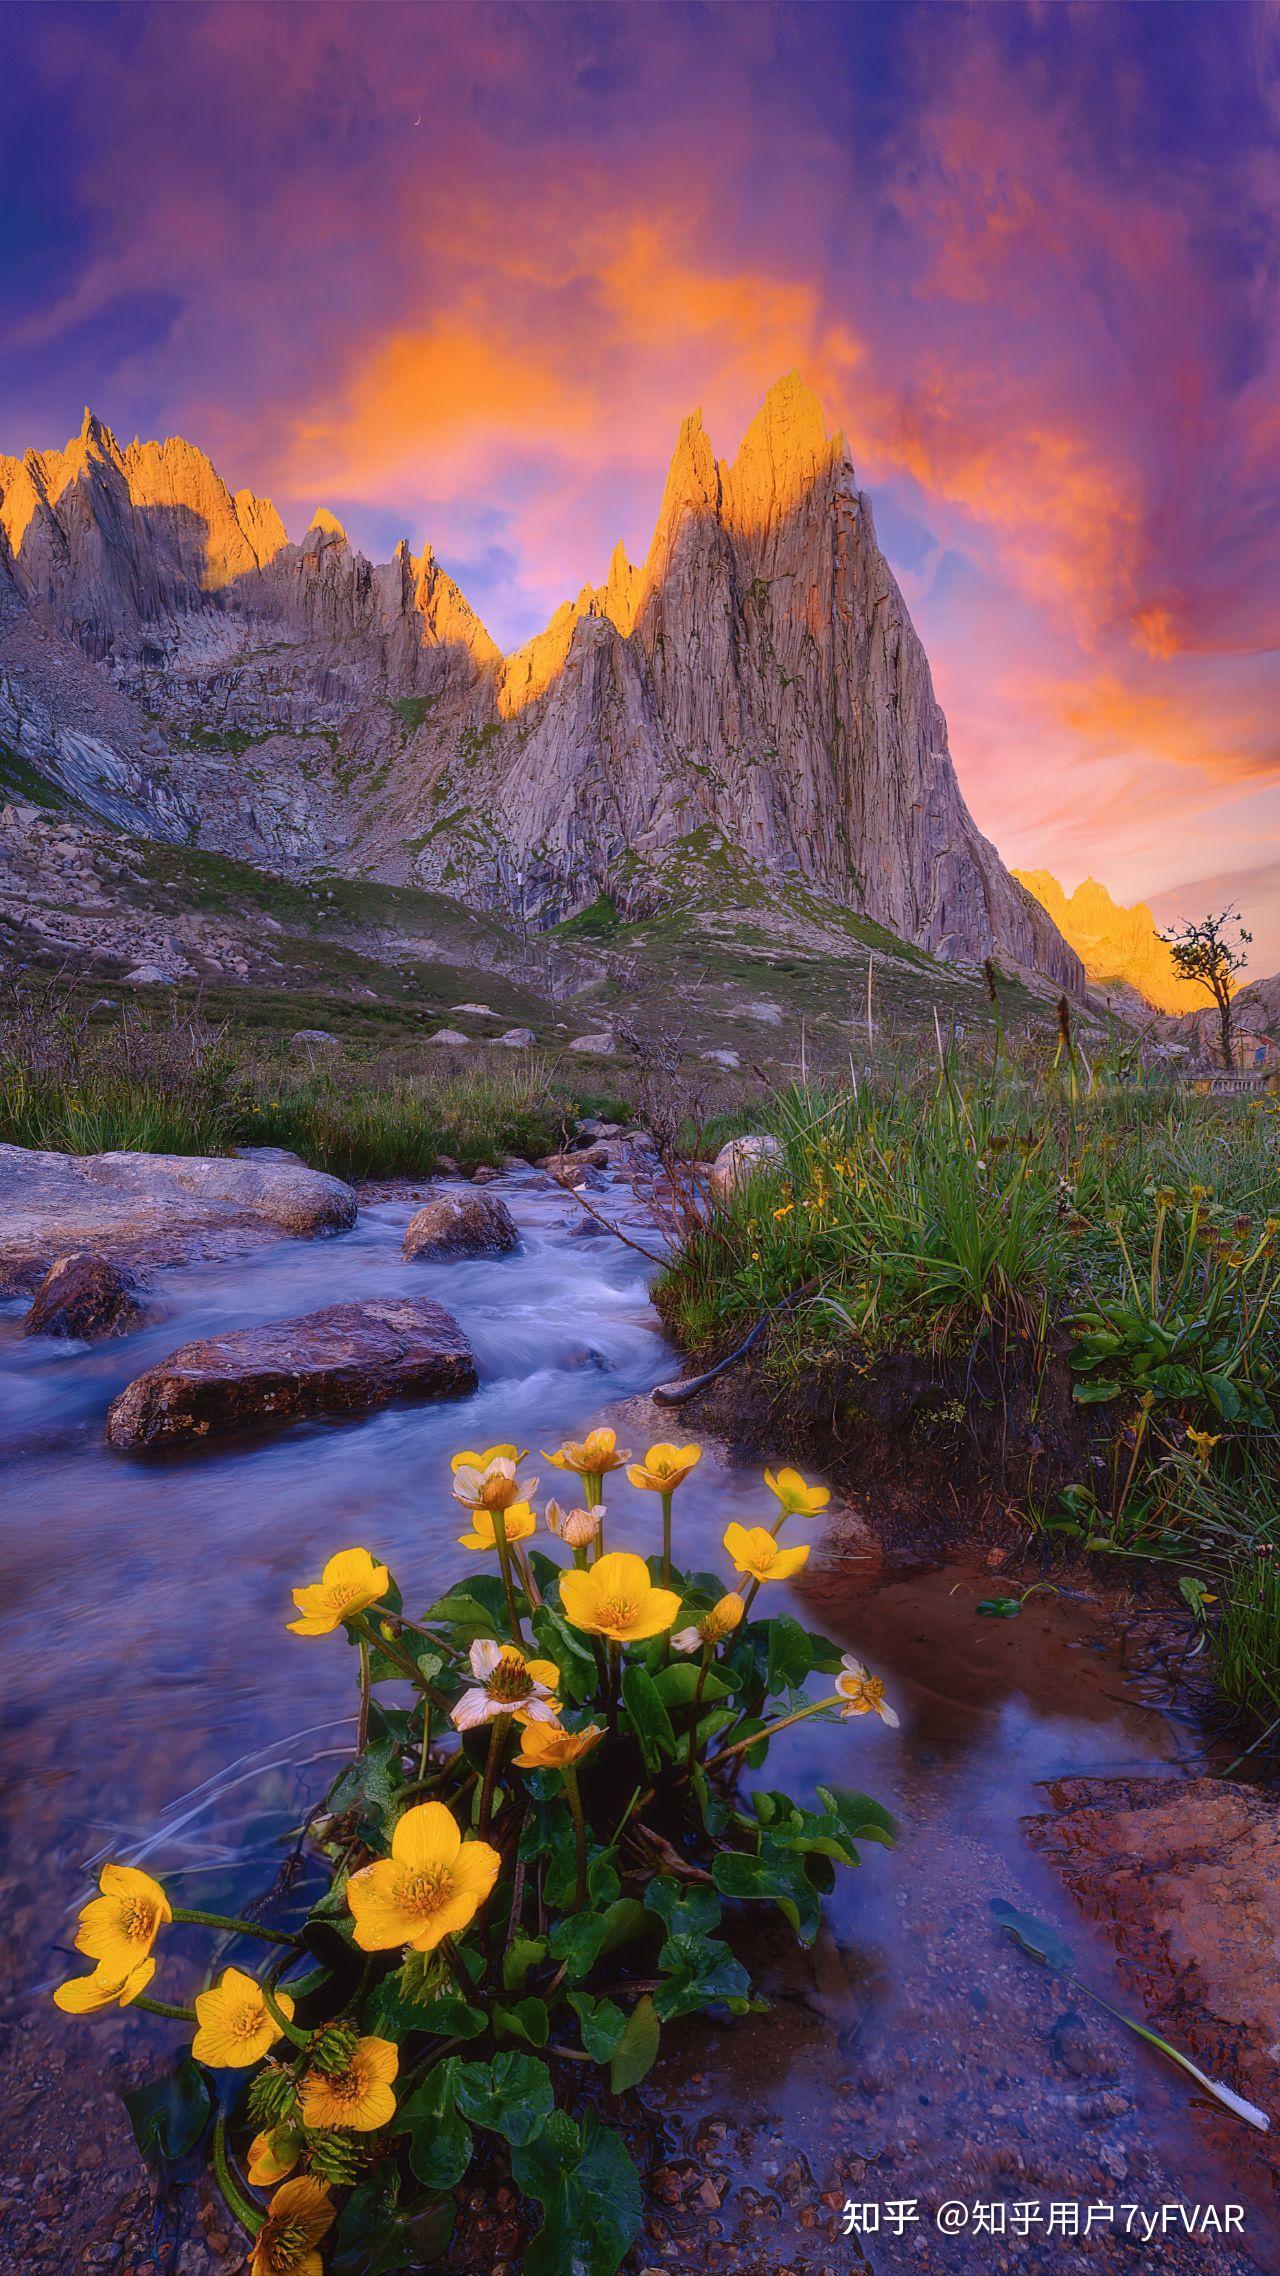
506, 1684
863, 1692
495, 1485
577, 1527
687, 1640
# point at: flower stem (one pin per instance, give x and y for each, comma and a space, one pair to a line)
497, 1734
666, 1540
707, 1655
231, 1921
424, 1752
291, 2030
162, 2007
771, 1730
568, 1772
362, 1723
250, 2216
504, 1559
613, 1651
461, 1980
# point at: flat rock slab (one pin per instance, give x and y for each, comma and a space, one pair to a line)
1184, 1874
461, 1225
346, 1360
85, 1299
146, 1210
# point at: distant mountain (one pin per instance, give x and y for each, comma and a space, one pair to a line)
1118, 947
754, 693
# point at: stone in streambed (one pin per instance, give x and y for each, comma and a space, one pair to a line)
345, 1360
461, 1225
85, 1298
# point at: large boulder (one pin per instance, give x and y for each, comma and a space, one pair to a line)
598, 1045
342, 1361
461, 1225
87, 1298
153, 1209
739, 1160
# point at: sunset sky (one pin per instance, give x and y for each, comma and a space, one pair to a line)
458, 271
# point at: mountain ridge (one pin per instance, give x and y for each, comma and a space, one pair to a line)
1115, 944
757, 676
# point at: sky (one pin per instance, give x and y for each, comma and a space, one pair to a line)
457, 272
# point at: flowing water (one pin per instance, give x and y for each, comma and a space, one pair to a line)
155, 1707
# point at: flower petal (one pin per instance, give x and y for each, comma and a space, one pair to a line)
425, 1837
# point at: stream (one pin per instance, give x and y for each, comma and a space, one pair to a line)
156, 1709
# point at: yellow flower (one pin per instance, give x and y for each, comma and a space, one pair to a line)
577, 1528
506, 1683
756, 1552
713, 1626
544, 1746
359, 2097
664, 1468
119, 1926
273, 2155
431, 1886
590, 1457
862, 1693
351, 1582
489, 1481
518, 1523
616, 1598
470, 1461
236, 2028
1202, 1443
88, 1995
796, 1498
300, 2213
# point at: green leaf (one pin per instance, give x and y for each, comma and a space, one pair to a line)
601, 2022
393, 2014
676, 1685
860, 1817
697, 1971
591, 2201
527, 2021
578, 1940
638, 2047
510, 2096
523, 1953
1094, 1394
790, 1654
570, 1651
648, 1717
772, 1877
624, 1919
1036, 1938
170, 2113
684, 1911
999, 1607
440, 2144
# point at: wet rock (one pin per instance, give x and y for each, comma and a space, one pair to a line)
147, 1209
85, 1297
738, 1160
485, 1175
345, 1360
461, 1225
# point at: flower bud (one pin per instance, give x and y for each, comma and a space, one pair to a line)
577, 1528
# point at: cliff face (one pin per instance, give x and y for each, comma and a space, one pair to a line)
756, 682
1113, 943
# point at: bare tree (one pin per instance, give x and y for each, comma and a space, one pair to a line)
1210, 954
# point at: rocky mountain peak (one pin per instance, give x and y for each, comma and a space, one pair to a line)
1116, 945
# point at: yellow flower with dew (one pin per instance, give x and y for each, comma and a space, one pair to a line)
577, 1528
752, 1550
119, 1926
664, 1468
591, 1457
793, 1494
359, 2097
713, 1626
235, 2025
518, 1523
491, 1481
507, 1683
89, 1995
431, 1886
862, 1693
616, 1598
273, 2155
350, 1583
544, 1746
299, 2214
